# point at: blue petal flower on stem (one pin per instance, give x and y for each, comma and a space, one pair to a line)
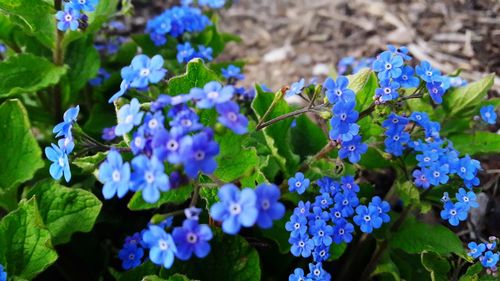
131, 256
229, 116
198, 153
337, 90
68, 19
149, 177
129, 116
161, 246
269, 207
192, 238
488, 114
115, 175
60, 163
295, 88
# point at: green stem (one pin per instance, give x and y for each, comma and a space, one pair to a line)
58, 58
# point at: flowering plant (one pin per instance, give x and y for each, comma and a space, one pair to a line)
163, 167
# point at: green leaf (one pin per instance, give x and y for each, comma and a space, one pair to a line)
83, 61
209, 194
277, 136
387, 267
465, 101
478, 143
472, 273
173, 196
436, 265
197, 75
27, 73
337, 250
307, 137
234, 161
20, 164
363, 83
36, 17
231, 258
89, 164
25, 247
408, 192
414, 237
65, 210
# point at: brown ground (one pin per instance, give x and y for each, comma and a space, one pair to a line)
284, 40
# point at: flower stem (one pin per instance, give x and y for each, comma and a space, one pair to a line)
58, 58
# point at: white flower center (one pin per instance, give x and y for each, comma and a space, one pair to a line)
61, 161
192, 238
199, 155
265, 204
145, 72
150, 178
129, 119
235, 209
186, 122
367, 218
298, 184
213, 95
116, 176
153, 123
172, 145
232, 116
163, 245
138, 141
68, 17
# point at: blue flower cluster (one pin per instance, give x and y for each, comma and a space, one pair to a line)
237, 208
58, 154
343, 123
314, 227
487, 253
192, 238
3, 274
170, 132
142, 71
73, 16
437, 161
175, 22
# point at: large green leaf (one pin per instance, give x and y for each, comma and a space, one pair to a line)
414, 237
437, 266
234, 161
21, 155
277, 136
307, 137
25, 246
173, 196
65, 210
480, 142
465, 101
363, 83
231, 258
27, 73
83, 61
197, 75
36, 17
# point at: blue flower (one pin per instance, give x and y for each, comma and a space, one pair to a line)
316, 272
437, 174
328, 185
69, 117
139, 141
427, 159
388, 66
338, 91
235, 209
426, 71
302, 245
489, 260
454, 213
343, 122
128, 74
298, 183
436, 91
346, 201
232, 72
467, 198
298, 275
153, 122
149, 177
167, 144
129, 116
383, 208
468, 168
115, 175
68, 19
192, 238
268, 205
321, 253
317, 214
212, 93
297, 225
131, 256
185, 52
60, 163
353, 149
229, 116
84, 5
342, 231
148, 70
394, 143
197, 153
295, 88
394, 123
66, 144
303, 209
3, 274
187, 120
322, 233
420, 179
488, 114
476, 250
161, 246
367, 218
388, 90
407, 78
